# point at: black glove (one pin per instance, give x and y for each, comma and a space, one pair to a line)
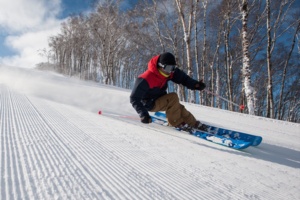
200, 85
146, 119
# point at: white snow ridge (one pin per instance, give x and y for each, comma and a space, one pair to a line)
54, 145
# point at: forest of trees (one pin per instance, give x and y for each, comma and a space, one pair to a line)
246, 51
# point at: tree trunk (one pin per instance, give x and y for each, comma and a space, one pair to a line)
270, 100
204, 48
246, 59
196, 46
227, 63
216, 56
187, 26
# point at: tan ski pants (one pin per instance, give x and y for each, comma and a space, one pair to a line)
176, 113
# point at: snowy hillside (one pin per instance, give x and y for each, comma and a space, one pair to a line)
54, 145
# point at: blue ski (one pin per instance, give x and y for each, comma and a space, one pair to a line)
218, 139
252, 139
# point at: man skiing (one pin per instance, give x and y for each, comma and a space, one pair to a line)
150, 93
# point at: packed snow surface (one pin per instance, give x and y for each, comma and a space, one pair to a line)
55, 145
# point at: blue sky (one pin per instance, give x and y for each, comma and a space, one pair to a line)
71, 7
26, 25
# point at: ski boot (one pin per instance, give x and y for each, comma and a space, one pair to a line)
200, 126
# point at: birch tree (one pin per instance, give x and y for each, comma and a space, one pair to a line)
270, 100
185, 12
248, 89
229, 22
276, 27
204, 49
216, 85
196, 44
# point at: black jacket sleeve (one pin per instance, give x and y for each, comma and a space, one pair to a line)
140, 88
180, 77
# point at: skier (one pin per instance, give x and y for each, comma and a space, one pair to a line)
150, 93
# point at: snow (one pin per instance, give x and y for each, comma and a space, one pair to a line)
55, 145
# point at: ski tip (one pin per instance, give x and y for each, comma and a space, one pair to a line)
257, 141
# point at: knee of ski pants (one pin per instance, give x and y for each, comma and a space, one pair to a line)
173, 96
171, 99
162, 103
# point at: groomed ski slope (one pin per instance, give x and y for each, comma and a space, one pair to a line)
54, 145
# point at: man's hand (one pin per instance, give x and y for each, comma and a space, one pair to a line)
146, 119
200, 85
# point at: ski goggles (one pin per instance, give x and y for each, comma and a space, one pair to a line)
167, 68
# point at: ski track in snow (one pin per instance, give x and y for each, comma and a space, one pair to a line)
55, 151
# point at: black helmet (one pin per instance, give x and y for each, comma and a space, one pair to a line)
167, 59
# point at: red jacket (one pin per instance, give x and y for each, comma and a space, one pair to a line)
152, 75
